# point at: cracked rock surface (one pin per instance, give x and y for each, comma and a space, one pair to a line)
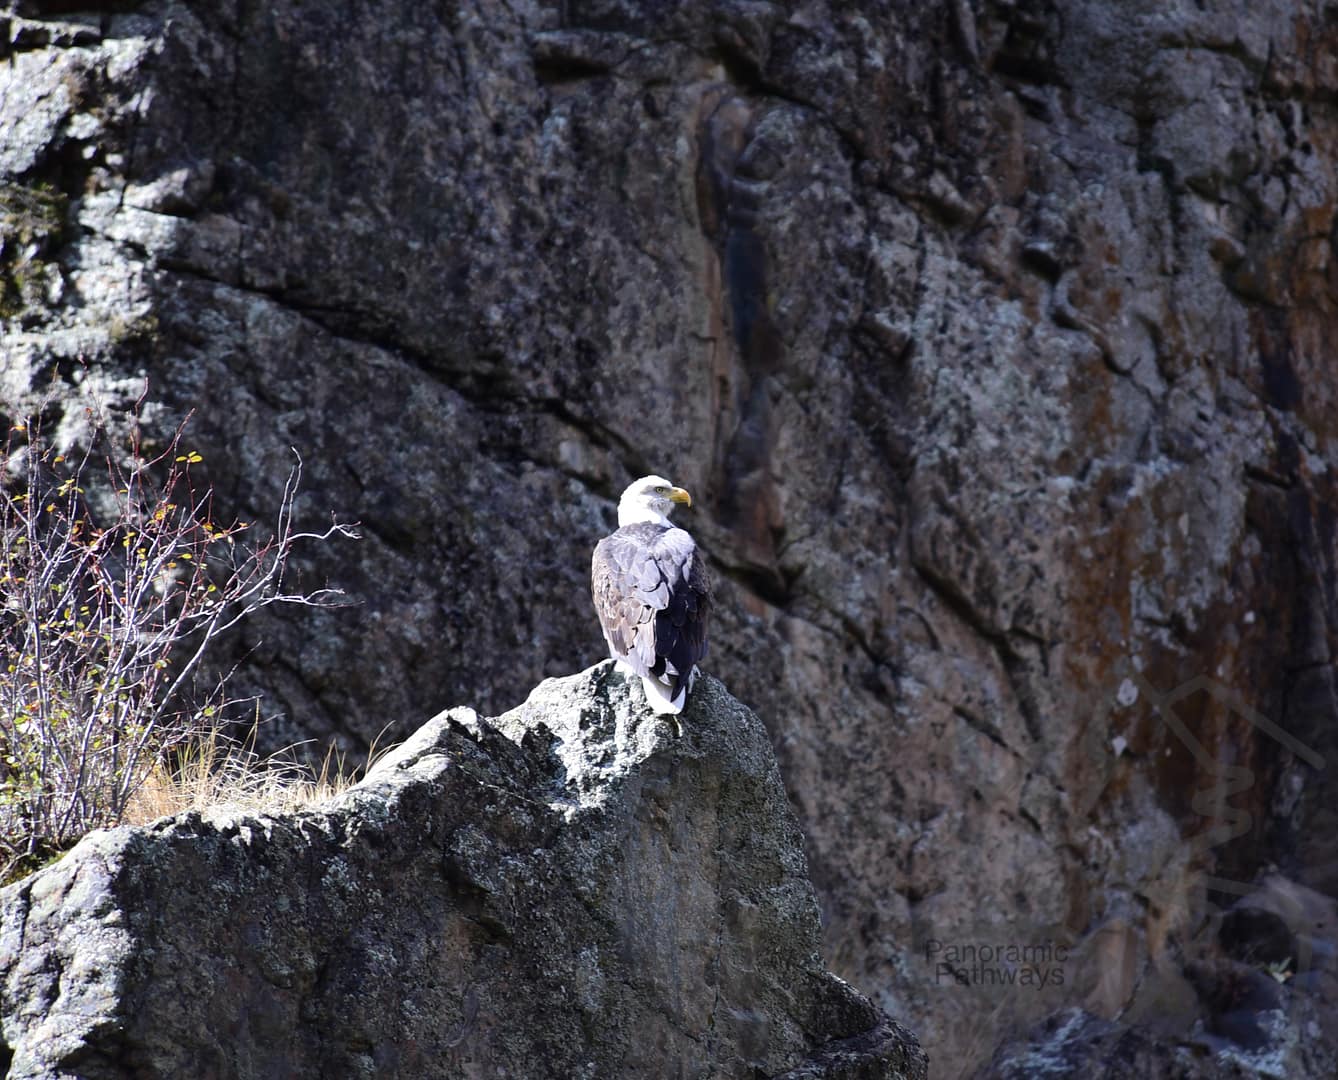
568, 890
992, 338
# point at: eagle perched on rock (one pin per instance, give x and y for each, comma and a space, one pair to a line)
652, 593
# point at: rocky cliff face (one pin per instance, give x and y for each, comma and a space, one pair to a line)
990, 337
569, 890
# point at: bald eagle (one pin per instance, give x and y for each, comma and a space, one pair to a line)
652, 594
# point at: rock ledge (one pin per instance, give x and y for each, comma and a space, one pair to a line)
568, 890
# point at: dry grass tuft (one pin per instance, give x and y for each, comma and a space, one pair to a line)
220, 773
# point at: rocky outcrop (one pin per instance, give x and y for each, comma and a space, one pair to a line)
571, 889
1253, 997
991, 337
1075, 1044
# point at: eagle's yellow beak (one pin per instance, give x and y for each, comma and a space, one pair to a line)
678, 495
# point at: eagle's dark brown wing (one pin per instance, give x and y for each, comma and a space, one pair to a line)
652, 595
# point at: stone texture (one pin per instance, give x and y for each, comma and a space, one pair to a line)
569, 890
991, 337
1253, 996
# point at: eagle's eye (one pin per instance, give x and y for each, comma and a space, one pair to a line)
662, 490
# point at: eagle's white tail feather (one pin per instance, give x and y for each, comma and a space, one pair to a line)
657, 697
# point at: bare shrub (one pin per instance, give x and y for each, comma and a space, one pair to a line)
105, 619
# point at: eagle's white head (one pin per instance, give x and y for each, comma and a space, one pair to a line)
650, 499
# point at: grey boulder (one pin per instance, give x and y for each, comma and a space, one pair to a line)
572, 889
